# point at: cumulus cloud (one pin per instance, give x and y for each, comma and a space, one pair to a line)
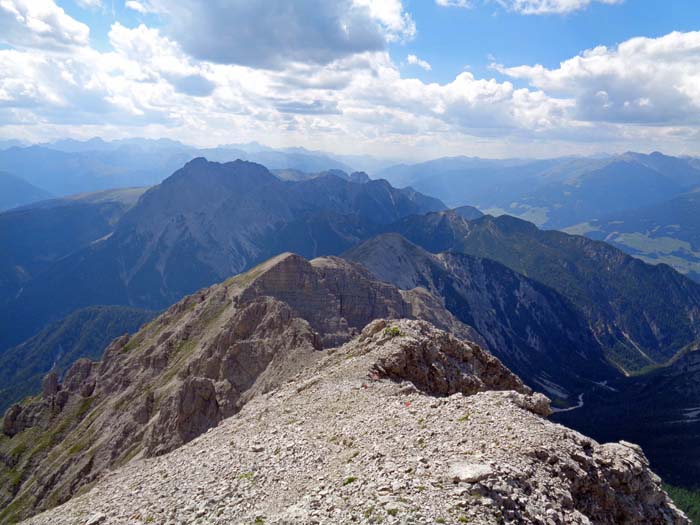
40, 24
273, 33
415, 61
149, 84
543, 7
643, 80
390, 14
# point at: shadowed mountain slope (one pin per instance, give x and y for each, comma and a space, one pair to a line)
85, 333
35, 236
535, 331
15, 191
641, 314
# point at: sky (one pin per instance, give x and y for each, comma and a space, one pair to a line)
405, 79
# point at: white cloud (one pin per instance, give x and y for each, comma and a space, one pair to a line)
273, 33
543, 7
643, 80
41, 24
454, 3
89, 4
140, 7
645, 91
397, 23
415, 61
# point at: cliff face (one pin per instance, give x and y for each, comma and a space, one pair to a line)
404, 423
183, 373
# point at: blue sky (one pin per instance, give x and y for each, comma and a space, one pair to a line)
400, 78
451, 38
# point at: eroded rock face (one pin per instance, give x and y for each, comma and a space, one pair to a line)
49, 386
438, 363
80, 378
349, 442
184, 416
11, 423
337, 298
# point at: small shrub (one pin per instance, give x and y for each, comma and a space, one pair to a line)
392, 512
349, 480
393, 331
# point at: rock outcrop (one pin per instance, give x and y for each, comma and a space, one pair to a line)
403, 424
183, 373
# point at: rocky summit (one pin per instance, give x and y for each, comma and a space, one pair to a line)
402, 424
195, 365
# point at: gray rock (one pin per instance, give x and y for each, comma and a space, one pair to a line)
469, 472
96, 519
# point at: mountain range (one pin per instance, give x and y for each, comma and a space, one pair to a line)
577, 194
15, 191
68, 167
210, 220
643, 315
553, 193
575, 318
646, 205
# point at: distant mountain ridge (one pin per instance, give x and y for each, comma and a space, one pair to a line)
553, 193
69, 166
668, 232
83, 334
15, 191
